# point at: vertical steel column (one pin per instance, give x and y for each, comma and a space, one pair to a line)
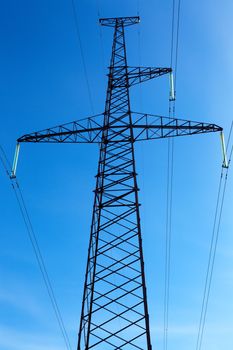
114, 308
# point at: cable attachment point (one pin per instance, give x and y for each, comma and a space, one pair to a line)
16, 157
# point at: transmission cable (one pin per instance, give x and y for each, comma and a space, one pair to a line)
34, 242
168, 197
76, 22
139, 53
101, 36
177, 44
213, 246
229, 137
170, 170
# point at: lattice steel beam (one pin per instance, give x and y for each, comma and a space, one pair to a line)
145, 126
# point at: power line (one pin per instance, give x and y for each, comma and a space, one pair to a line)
172, 32
170, 168
170, 171
229, 137
213, 248
211, 260
34, 242
76, 22
101, 36
177, 43
139, 53
5, 161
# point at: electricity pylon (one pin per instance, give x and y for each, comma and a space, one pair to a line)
114, 311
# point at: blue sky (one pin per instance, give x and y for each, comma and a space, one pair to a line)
43, 84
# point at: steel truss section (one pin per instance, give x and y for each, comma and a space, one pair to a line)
145, 127
136, 75
114, 311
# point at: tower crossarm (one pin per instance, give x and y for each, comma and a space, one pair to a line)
136, 75
145, 126
150, 127
88, 130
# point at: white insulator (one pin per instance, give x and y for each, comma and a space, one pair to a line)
172, 91
15, 162
225, 161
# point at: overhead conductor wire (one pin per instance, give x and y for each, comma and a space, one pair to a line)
101, 36
175, 28
34, 242
76, 22
213, 246
139, 51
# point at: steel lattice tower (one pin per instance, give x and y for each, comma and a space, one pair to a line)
114, 311
114, 300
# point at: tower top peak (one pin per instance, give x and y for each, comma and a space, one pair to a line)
112, 22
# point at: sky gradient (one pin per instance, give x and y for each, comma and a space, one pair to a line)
43, 84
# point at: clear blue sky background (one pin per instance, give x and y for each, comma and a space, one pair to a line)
43, 84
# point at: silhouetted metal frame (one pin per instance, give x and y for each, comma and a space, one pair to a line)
116, 200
